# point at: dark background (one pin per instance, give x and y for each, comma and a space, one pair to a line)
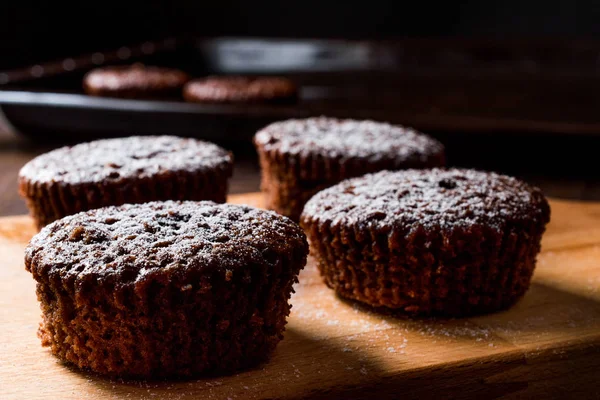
32, 32
563, 162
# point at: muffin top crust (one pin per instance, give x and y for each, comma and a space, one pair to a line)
129, 243
223, 89
123, 158
347, 139
136, 77
433, 200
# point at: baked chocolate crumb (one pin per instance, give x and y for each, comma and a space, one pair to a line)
453, 242
166, 288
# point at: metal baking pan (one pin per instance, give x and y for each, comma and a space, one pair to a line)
468, 86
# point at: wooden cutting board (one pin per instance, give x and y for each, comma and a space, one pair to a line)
547, 346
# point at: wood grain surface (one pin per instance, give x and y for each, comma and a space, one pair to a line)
547, 346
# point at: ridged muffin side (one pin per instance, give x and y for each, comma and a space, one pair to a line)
446, 242
299, 158
166, 288
124, 170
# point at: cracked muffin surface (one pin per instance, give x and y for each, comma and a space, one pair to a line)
445, 241
134, 169
166, 288
300, 157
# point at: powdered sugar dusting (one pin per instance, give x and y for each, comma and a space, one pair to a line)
429, 199
136, 241
334, 138
131, 157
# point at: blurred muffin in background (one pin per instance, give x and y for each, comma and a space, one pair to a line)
240, 89
135, 81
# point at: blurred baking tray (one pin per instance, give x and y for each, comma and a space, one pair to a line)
473, 86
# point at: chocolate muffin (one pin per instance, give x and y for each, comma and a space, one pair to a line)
451, 242
240, 89
136, 169
166, 288
135, 81
298, 158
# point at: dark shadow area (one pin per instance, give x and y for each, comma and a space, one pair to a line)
556, 357
301, 367
46, 30
543, 309
547, 310
513, 377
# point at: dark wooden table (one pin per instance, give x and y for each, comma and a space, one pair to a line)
15, 151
